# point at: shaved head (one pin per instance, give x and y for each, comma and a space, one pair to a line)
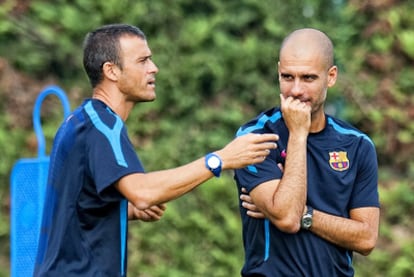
304, 42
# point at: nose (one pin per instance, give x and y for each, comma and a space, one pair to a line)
153, 68
297, 88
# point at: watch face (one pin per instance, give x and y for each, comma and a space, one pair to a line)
213, 162
307, 221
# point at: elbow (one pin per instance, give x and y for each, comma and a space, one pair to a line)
365, 251
290, 225
367, 248
142, 201
287, 222
133, 188
368, 245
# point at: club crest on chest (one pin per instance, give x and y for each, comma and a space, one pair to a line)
338, 160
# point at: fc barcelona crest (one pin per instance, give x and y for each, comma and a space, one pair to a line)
338, 160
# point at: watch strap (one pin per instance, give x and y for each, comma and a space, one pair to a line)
309, 210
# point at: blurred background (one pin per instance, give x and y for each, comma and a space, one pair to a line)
217, 62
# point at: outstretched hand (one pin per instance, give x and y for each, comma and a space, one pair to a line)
153, 213
247, 149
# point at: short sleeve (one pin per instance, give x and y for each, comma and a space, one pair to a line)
111, 156
254, 175
365, 193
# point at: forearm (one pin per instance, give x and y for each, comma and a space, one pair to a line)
147, 189
283, 201
162, 186
352, 234
289, 198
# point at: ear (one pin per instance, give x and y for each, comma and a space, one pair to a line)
110, 71
332, 75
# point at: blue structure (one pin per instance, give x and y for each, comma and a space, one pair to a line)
28, 184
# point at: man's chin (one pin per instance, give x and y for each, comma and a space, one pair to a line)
146, 98
150, 99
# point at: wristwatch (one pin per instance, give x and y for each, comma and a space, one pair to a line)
306, 221
213, 163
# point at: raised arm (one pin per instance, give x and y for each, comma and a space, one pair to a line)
144, 190
283, 201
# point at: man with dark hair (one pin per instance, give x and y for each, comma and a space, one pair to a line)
96, 181
314, 200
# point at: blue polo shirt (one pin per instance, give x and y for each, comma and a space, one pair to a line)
342, 175
84, 225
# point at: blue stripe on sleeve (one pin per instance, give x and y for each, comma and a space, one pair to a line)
342, 130
259, 125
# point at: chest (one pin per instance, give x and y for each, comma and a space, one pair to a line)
332, 172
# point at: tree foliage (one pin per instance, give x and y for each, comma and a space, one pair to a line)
217, 63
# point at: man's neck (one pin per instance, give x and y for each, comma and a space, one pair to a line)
115, 101
318, 122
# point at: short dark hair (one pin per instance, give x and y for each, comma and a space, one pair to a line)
102, 45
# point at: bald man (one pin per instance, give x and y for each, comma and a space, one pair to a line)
314, 200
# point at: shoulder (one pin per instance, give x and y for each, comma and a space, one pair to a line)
101, 115
94, 107
344, 128
260, 123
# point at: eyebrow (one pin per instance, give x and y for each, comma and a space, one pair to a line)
311, 75
143, 58
305, 75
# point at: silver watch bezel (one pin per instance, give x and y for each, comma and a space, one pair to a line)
306, 221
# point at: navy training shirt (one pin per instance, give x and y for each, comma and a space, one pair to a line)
342, 175
84, 227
